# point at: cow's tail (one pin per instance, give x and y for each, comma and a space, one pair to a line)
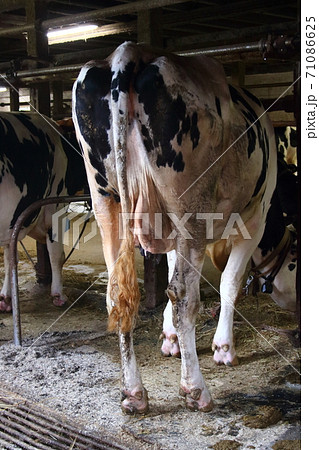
124, 288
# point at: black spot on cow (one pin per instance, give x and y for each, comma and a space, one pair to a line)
101, 180
219, 111
179, 164
147, 138
291, 267
103, 192
93, 113
293, 249
75, 177
189, 125
194, 130
167, 116
116, 196
185, 128
262, 177
121, 82
50, 234
253, 120
60, 187
275, 226
239, 99
252, 138
98, 164
263, 143
252, 97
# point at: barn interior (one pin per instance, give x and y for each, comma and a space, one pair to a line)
68, 366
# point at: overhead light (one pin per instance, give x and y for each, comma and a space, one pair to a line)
76, 33
3, 89
60, 35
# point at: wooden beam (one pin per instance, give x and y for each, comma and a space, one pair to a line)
11, 5
37, 48
149, 27
37, 42
57, 91
238, 73
14, 99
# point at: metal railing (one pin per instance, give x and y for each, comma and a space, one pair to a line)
17, 335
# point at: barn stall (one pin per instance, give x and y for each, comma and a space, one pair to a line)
61, 388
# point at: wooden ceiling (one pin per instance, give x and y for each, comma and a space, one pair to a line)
258, 42
178, 26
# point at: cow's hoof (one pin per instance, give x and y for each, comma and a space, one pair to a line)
197, 399
225, 354
59, 300
5, 304
135, 402
170, 346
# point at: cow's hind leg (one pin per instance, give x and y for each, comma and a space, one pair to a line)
231, 282
107, 212
56, 255
183, 291
170, 346
134, 395
5, 294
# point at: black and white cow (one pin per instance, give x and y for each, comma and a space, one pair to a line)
286, 140
35, 163
273, 263
166, 138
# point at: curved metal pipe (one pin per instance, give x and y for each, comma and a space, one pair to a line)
17, 336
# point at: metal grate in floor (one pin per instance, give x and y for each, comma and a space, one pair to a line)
27, 426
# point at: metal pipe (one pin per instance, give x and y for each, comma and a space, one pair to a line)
222, 50
127, 8
261, 46
249, 47
47, 71
17, 336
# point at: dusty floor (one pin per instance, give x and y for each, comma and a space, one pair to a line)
69, 363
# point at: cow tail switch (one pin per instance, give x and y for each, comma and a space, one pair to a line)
124, 289
124, 286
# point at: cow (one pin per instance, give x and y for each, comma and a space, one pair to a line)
35, 163
273, 266
286, 140
164, 137
273, 270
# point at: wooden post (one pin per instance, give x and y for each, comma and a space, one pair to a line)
149, 31
43, 266
37, 47
57, 91
155, 280
238, 73
149, 27
14, 99
297, 110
